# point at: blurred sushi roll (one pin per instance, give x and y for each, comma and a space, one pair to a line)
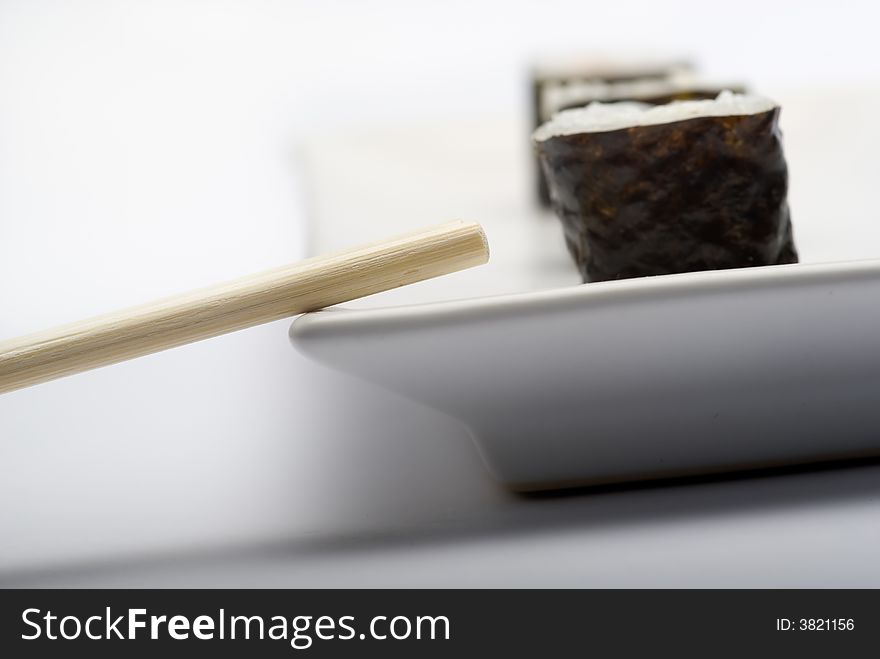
565, 77
679, 87
686, 186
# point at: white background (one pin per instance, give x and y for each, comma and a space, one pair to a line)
150, 147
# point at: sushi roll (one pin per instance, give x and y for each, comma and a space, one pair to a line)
551, 78
687, 186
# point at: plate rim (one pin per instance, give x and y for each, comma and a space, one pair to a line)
341, 318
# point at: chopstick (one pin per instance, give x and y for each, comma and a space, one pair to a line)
233, 305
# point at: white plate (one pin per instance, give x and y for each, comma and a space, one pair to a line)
662, 376
623, 380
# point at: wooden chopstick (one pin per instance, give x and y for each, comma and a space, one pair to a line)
279, 293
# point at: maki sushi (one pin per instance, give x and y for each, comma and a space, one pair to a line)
681, 187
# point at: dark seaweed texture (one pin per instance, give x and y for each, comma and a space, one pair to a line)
701, 194
695, 93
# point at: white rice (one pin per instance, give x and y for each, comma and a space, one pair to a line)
575, 93
602, 117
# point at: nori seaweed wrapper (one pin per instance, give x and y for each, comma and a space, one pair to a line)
694, 91
704, 193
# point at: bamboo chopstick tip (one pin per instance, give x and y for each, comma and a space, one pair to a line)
485, 240
478, 231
